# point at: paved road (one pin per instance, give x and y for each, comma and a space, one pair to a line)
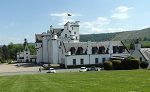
26, 68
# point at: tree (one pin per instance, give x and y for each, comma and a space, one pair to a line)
131, 46
5, 53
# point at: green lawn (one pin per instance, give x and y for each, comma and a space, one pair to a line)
104, 81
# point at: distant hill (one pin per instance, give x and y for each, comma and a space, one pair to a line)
121, 36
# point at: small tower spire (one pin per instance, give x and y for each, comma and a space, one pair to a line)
25, 45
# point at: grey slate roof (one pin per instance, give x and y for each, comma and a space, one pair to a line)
146, 53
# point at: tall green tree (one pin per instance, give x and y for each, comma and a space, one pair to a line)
5, 53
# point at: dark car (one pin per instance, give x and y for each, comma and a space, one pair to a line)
93, 68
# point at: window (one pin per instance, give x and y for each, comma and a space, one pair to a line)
141, 59
79, 51
72, 50
103, 60
26, 53
94, 50
66, 35
81, 61
72, 28
74, 32
96, 60
74, 61
76, 37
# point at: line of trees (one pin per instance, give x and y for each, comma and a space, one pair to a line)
9, 51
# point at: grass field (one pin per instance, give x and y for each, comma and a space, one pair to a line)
104, 81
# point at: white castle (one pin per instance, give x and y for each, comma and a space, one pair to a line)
62, 46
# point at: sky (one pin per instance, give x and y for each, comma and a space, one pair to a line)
21, 19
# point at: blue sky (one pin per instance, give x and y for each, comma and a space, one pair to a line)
21, 19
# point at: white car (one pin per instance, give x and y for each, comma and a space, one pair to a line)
83, 69
51, 70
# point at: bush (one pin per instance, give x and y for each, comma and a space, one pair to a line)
126, 64
3, 61
116, 64
130, 63
130, 57
9, 61
101, 65
135, 63
108, 65
144, 65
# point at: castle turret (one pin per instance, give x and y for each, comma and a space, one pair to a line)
137, 45
54, 49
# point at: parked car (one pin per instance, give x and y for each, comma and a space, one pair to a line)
46, 66
83, 69
51, 70
93, 68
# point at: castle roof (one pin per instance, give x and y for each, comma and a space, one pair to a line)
146, 53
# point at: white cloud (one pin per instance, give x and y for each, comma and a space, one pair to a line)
63, 17
116, 29
121, 12
95, 26
100, 24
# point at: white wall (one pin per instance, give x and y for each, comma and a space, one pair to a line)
100, 57
69, 59
45, 49
55, 53
39, 52
26, 56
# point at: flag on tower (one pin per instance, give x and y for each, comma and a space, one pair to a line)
68, 14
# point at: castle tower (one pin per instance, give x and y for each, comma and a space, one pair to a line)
71, 31
54, 49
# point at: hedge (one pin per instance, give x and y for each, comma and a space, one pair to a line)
116, 64
144, 65
108, 65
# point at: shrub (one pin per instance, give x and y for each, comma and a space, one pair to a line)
116, 64
130, 57
126, 64
144, 65
108, 65
135, 63
9, 61
130, 63
101, 65
3, 61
